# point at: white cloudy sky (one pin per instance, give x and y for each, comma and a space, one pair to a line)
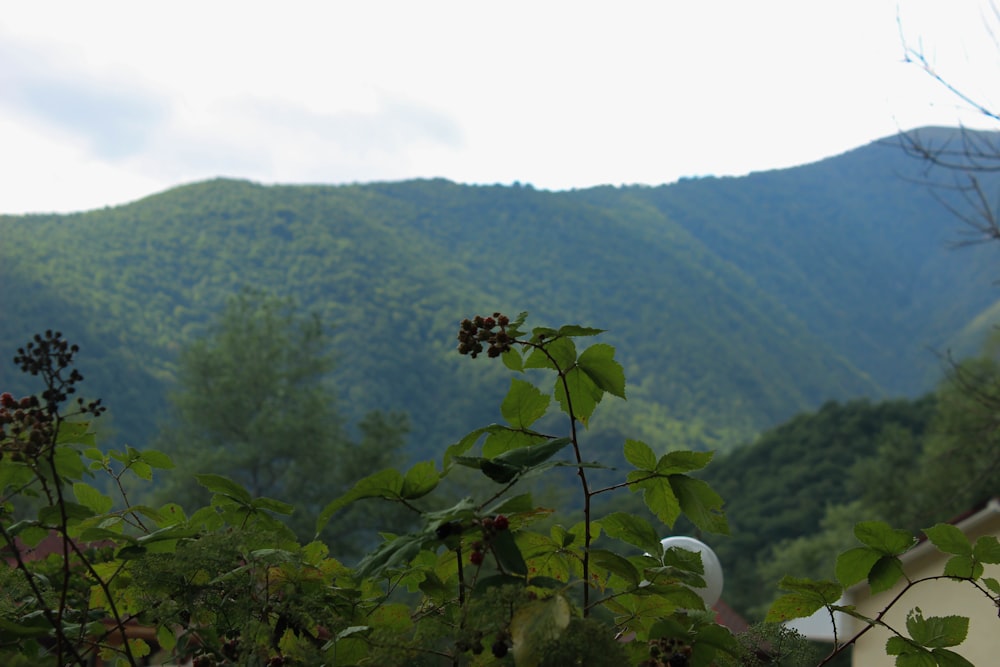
106, 102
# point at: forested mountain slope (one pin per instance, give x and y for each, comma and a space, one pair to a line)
734, 302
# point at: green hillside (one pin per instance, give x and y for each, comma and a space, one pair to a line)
734, 302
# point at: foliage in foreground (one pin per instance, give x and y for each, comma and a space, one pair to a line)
488, 580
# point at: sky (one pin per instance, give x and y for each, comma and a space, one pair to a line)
103, 103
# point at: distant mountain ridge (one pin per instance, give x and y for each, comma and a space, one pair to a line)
734, 302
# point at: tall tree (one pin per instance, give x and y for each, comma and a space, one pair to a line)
254, 403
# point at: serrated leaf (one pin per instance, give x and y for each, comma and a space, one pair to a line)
992, 584
92, 498
272, 505
505, 439
615, 564
963, 567
513, 360
157, 459
577, 330
76, 433
949, 539
987, 549
886, 572
583, 396
700, 503
598, 362
383, 484
558, 354
640, 455
631, 529
419, 480
508, 554
683, 461
513, 505
524, 404
806, 598
883, 538
658, 495
946, 658
465, 444
69, 462
854, 565
936, 631
225, 487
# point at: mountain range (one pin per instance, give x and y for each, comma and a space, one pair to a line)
734, 302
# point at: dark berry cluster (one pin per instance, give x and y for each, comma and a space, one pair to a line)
51, 356
668, 652
479, 330
490, 526
500, 647
25, 427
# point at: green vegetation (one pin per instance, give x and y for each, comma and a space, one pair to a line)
738, 302
254, 400
229, 584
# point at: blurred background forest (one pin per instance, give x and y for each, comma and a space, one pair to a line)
825, 295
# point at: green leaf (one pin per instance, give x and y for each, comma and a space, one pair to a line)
92, 498
141, 469
987, 549
524, 404
615, 564
583, 397
992, 584
883, 538
508, 555
420, 480
76, 433
386, 483
598, 362
513, 505
806, 598
963, 567
683, 461
658, 494
166, 638
854, 565
946, 658
949, 539
513, 360
936, 631
700, 503
272, 505
509, 465
157, 459
577, 330
68, 462
633, 530
465, 444
558, 354
885, 574
640, 455
225, 487
51, 515
505, 439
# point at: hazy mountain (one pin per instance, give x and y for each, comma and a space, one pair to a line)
734, 302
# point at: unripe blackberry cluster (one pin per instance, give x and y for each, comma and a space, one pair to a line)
473, 333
